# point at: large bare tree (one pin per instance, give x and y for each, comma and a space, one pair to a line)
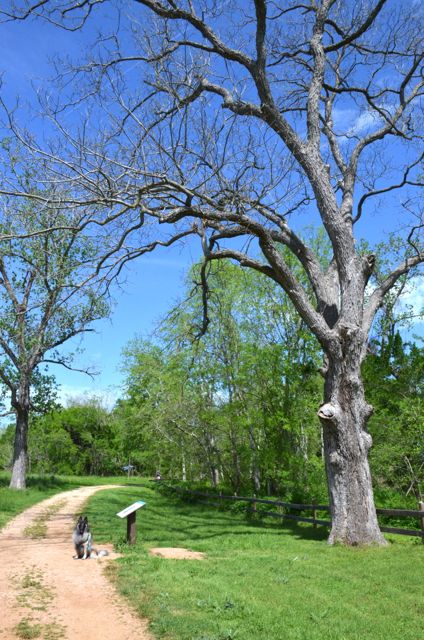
240, 122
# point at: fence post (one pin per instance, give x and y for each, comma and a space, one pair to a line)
254, 503
314, 513
280, 511
421, 508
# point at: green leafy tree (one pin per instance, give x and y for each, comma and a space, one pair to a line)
159, 417
394, 379
81, 439
43, 399
237, 405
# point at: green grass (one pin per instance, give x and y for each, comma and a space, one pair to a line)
34, 594
13, 502
27, 629
260, 580
39, 488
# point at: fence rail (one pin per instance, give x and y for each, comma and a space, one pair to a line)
398, 513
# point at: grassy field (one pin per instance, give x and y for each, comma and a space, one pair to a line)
259, 580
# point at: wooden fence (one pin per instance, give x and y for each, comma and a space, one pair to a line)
314, 508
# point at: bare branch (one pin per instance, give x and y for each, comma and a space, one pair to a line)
200, 25
399, 185
359, 32
63, 363
377, 297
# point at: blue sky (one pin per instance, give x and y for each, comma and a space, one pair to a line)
153, 285
155, 282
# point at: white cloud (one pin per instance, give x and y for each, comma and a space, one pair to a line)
410, 305
350, 122
413, 298
107, 395
364, 122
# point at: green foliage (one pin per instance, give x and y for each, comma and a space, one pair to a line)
394, 379
6, 446
77, 440
237, 406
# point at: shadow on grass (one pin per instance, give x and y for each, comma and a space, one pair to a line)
216, 516
169, 521
220, 528
42, 483
51, 481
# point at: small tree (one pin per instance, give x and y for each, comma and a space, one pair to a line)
50, 292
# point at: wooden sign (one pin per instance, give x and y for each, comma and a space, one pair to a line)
130, 514
133, 507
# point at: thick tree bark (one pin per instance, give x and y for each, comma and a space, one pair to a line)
20, 451
344, 416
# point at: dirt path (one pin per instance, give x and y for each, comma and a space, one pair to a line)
46, 594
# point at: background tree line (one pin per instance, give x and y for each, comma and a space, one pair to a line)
237, 408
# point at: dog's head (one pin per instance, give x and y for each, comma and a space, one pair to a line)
82, 525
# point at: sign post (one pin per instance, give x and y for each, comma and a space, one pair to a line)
130, 514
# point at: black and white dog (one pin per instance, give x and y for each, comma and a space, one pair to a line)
81, 538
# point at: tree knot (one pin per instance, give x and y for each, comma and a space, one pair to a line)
328, 412
366, 440
336, 459
347, 331
370, 262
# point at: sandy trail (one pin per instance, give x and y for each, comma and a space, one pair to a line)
47, 593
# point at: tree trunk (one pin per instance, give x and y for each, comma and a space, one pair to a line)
236, 474
214, 476
255, 473
183, 468
213, 459
20, 451
344, 416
